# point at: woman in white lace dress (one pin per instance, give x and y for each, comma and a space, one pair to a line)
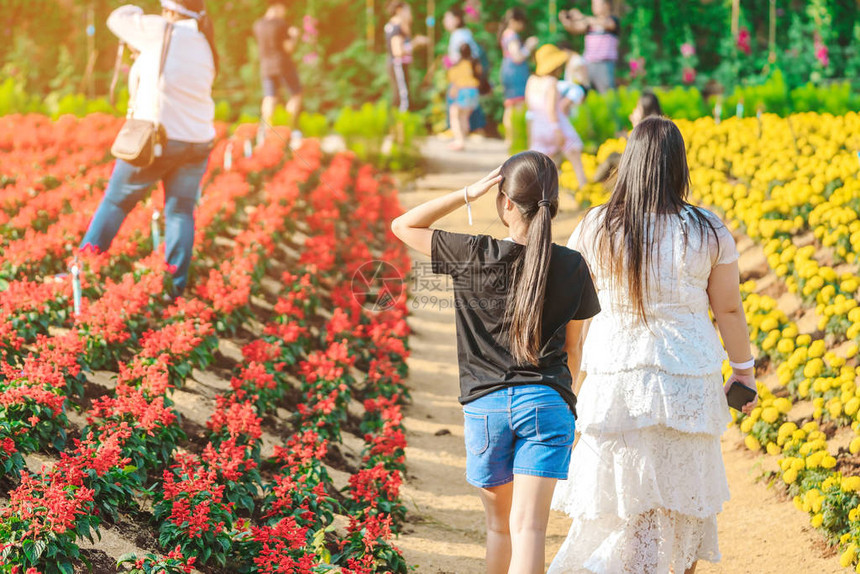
646, 478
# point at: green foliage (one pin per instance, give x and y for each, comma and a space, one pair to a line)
382, 135
14, 99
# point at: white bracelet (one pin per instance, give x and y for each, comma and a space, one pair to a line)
468, 205
745, 365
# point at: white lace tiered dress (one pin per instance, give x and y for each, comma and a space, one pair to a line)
647, 477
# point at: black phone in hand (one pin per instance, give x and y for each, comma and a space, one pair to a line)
740, 395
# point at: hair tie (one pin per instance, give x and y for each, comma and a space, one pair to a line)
544, 202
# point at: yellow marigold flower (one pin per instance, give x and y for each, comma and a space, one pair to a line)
817, 348
782, 404
828, 462
813, 368
817, 520
752, 443
854, 445
798, 502
785, 346
789, 476
770, 414
851, 484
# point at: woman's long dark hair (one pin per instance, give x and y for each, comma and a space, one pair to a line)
653, 180
530, 181
650, 105
205, 25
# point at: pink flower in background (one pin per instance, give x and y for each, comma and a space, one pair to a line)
744, 41
472, 9
309, 25
311, 58
821, 51
688, 49
637, 67
688, 75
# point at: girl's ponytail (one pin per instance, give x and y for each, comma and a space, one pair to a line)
531, 182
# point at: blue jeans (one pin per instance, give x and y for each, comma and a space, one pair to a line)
181, 167
527, 429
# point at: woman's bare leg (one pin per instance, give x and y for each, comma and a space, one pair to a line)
529, 517
497, 506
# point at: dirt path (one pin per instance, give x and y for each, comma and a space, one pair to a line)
759, 533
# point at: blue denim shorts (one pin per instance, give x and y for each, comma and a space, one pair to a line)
526, 429
468, 98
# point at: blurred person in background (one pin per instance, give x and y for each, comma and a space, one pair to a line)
181, 103
515, 70
550, 130
647, 106
276, 42
454, 22
601, 41
464, 81
400, 45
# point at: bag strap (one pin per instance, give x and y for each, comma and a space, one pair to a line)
165, 46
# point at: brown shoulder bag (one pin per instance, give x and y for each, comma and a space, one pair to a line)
139, 142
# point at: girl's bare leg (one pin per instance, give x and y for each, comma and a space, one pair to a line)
529, 517
497, 506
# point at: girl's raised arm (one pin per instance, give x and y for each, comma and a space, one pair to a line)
413, 227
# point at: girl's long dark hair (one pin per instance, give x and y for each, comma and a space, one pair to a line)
530, 181
205, 25
653, 181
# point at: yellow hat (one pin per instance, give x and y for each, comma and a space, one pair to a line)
549, 58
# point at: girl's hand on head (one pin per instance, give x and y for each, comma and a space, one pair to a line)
531, 43
483, 185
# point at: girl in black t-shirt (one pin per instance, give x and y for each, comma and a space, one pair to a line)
520, 306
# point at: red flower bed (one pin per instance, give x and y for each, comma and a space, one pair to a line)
222, 502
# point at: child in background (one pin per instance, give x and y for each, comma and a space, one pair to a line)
574, 87
464, 79
550, 130
515, 65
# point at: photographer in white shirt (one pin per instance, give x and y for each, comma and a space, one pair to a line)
180, 101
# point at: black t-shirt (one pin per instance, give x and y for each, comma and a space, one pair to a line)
481, 269
271, 33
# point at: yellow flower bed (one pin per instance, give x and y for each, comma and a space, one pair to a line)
792, 185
